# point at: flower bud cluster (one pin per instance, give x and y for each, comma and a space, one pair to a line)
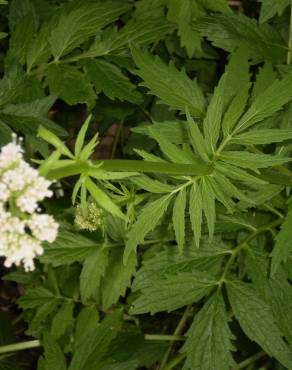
93, 219
22, 227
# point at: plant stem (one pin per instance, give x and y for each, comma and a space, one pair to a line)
250, 360
162, 337
243, 244
289, 55
20, 346
175, 361
177, 332
120, 165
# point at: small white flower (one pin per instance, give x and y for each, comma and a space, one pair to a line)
22, 230
10, 154
43, 227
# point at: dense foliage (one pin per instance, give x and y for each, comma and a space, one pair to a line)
166, 126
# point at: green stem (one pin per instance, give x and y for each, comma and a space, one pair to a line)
116, 139
20, 346
130, 166
243, 244
175, 361
162, 337
177, 332
289, 55
250, 360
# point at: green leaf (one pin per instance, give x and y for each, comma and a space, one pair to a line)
81, 136
35, 297
270, 8
135, 32
109, 79
262, 136
68, 248
93, 270
76, 22
236, 173
178, 218
208, 343
251, 160
264, 79
62, 319
54, 358
87, 321
117, 277
171, 292
269, 102
175, 131
102, 198
151, 185
69, 84
227, 31
147, 220
282, 247
91, 351
173, 87
196, 138
236, 109
257, 321
196, 211
221, 6
183, 13
173, 152
208, 203
276, 291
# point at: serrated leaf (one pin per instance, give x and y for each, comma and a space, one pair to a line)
174, 153
147, 220
173, 87
183, 13
251, 160
178, 218
257, 321
262, 136
236, 173
236, 109
196, 211
68, 248
227, 31
196, 138
92, 272
175, 131
276, 291
41, 315
69, 84
117, 277
109, 79
102, 198
35, 297
87, 321
265, 78
91, 351
208, 204
151, 185
76, 22
135, 32
54, 358
270, 8
62, 319
283, 246
81, 136
172, 292
269, 102
208, 343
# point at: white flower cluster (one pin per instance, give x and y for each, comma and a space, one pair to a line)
22, 228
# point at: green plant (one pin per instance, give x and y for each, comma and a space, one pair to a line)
184, 259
